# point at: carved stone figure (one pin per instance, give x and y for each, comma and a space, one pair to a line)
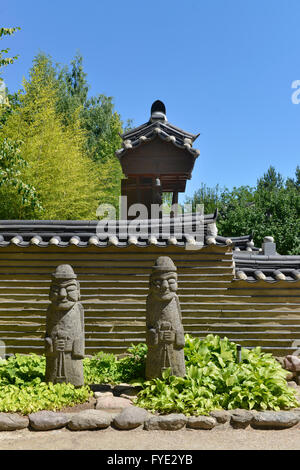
165, 334
64, 341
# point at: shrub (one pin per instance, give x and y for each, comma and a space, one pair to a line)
106, 368
101, 368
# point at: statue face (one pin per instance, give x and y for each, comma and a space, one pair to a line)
64, 293
164, 286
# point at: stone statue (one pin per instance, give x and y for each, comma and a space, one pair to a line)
165, 334
64, 341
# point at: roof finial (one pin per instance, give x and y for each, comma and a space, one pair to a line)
158, 111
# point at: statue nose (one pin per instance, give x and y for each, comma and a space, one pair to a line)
62, 293
164, 285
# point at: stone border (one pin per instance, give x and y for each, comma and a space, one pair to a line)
133, 417
114, 408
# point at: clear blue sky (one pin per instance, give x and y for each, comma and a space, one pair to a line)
223, 68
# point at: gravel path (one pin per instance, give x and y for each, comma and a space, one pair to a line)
110, 439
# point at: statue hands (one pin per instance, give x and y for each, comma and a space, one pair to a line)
63, 343
60, 344
167, 336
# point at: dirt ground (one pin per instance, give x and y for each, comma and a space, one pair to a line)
187, 439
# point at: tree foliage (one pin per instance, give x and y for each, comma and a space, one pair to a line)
6, 60
101, 124
65, 178
14, 191
68, 143
272, 208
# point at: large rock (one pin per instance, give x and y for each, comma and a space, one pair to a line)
131, 418
291, 363
112, 404
275, 419
90, 419
47, 420
240, 418
13, 421
171, 422
201, 422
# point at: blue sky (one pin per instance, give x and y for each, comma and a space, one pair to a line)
223, 68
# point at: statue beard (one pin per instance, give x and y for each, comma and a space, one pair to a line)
164, 297
64, 305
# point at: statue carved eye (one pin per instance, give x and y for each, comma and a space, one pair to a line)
71, 288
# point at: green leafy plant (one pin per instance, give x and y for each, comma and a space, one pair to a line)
132, 367
101, 368
215, 380
40, 396
22, 387
106, 368
21, 369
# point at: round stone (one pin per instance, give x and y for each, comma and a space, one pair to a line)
171, 422
131, 418
47, 420
201, 422
90, 419
275, 419
13, 422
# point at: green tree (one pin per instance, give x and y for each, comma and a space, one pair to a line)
295, 182
68, 183
270, 181
209, 197
72, 88
7, 101
16, 196
99, 121
272, 207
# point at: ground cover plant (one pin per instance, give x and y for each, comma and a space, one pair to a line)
106, 368
214, 380
22, 387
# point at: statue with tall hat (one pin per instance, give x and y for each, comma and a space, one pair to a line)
64, 340
164, 329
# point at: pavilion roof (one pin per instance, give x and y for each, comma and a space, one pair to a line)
158, 126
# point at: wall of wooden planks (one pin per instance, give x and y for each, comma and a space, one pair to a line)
114, 286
